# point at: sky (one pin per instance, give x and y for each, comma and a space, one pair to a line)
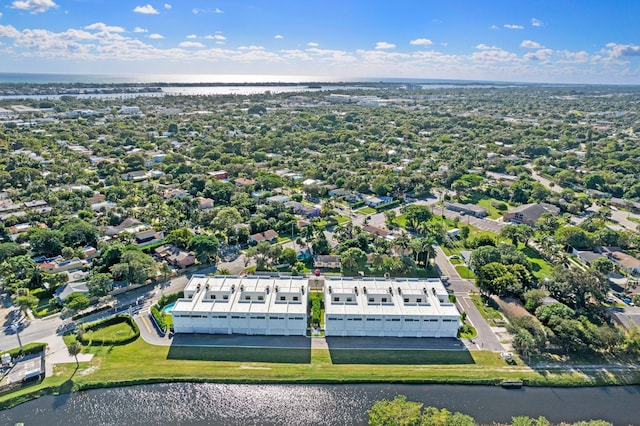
555, 41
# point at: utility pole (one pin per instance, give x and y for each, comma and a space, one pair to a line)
15, 328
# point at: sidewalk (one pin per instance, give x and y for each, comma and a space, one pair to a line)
57, 353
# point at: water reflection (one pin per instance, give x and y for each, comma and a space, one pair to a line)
223, 404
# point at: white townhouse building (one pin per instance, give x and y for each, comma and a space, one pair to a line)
389, 308
251, 305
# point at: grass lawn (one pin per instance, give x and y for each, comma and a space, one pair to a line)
489, 313
112, 332
455, 261
465, 272
342, 219
494, 213
400, 221
367, 210
541, 268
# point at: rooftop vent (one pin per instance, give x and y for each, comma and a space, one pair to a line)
433, 290
302, 289
277, 289
329, 289
390, 290
364, 290
355, 290
399, 290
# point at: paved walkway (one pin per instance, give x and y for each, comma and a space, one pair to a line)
57, 353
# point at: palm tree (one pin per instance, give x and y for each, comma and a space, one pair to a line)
74, 349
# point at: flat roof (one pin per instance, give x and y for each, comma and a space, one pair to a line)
250, 294
397, 297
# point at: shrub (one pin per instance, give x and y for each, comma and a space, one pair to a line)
158, 316
28, 349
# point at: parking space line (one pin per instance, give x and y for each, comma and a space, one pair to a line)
144, 321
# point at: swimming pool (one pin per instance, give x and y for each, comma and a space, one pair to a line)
168, 308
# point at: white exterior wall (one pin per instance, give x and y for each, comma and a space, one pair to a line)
385, 308
247, 305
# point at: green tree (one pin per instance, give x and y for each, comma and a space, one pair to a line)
353, 260
179, 237
205, 247
397, 412
288, 256
483, 256
8, 250
45, 242
74, 349
24, 299
100, 284
416, 215
79, 233
77, 302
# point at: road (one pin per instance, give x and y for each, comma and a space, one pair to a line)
544, 181
486, 339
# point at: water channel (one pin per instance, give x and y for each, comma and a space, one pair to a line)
226, 404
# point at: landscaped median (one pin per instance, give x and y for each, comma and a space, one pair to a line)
139, 362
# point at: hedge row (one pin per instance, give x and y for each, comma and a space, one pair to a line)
169, 298
88, 312
85, 340
28, 349
159, 317
388, 206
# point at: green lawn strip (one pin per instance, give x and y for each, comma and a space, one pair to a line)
342, 219
367, 210
465, 272
400, 221
400, 357
488, 313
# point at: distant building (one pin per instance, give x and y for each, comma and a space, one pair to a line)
148, 237
470, 209
622, 259
70, 288
327, 261
268, 235
243, 305
378, 307
219, 174
529, 214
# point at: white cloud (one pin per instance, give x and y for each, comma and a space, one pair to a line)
494, 27
385, 45
513, 27
146, 10
34, 6
9, 31
542, 55
574, 57
529, 44
536, 22
167, 6
252, 47
0, 14
278, 36
140, 30
156, 36
421, 42
492, 55
104, 27
483, 46
191, 36
195, 11
312, 44
218, 10
219, 42
216, 37
622, 50
191, 44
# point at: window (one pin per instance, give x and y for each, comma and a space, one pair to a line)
406, 300
282, 298
395, 319
371, 299
213, 297
225, 297
418, 300
336, 299
349, 299
371, 319
295, 298
273, 318
247, 298
260, 297
383, 300
235, 317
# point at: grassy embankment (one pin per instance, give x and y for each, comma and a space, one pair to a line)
139, 362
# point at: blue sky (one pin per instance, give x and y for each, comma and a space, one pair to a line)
570, 41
